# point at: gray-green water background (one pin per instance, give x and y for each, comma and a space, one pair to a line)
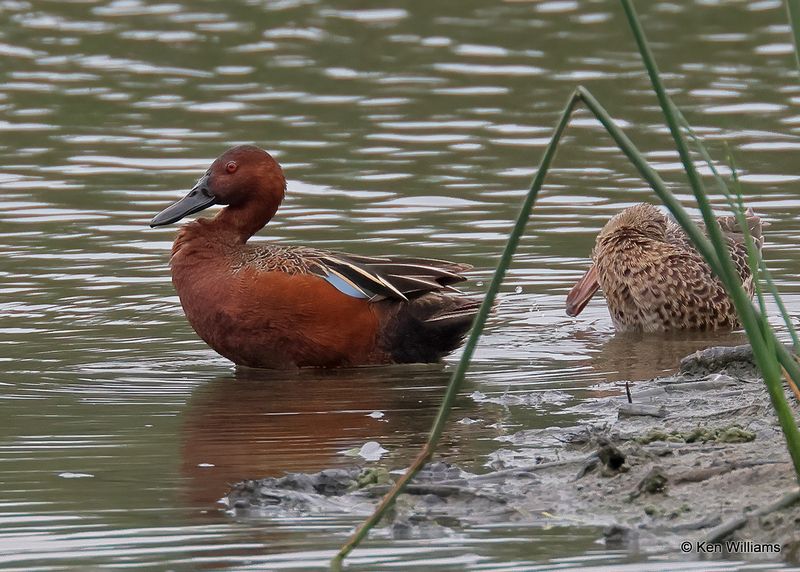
404, 127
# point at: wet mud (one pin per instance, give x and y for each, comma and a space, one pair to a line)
694, 458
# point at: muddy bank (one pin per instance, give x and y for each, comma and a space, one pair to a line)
696, 458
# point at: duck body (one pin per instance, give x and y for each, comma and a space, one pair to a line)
276, 306
654, 279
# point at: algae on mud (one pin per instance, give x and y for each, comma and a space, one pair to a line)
649, 483
772, 359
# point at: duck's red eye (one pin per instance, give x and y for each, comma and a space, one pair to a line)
231, 166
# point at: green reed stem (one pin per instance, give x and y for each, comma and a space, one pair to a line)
787, 319
761, 337
753, 256
754, 261
725, 266
700, 241
714, 251
653, 178
648, 174
469, 348
793, 9
786, 361
735, 200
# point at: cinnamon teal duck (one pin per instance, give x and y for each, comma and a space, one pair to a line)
279, 306
654, 279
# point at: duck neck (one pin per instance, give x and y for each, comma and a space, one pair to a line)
244, 220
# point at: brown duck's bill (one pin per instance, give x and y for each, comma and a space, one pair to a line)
199, 198
582, 292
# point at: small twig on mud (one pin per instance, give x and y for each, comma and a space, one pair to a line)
699, 475
641, 410
499, 475
705, 522
720, 532
628, 391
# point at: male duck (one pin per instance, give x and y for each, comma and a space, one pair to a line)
654, 279
275, 306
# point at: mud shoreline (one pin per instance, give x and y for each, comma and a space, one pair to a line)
696, 460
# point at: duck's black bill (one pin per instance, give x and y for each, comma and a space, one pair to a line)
199, 198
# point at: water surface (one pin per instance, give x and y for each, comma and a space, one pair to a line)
407, 128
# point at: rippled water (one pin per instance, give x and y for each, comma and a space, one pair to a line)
416, 124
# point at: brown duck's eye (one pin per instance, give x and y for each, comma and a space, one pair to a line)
231, 166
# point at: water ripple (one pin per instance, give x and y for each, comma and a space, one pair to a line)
403, 129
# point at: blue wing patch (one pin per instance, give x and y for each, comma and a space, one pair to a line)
344, 287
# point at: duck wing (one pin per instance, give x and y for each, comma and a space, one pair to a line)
677, 290
734, 237
380, 277
733, 232
737, 246
372, 277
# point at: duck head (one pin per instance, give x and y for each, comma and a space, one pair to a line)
642, 221
245, 178
639, 223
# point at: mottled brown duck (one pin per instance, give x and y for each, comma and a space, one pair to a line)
653, 278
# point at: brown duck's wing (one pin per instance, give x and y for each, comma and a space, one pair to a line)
454, 268
372, 277
735, 238
733, 232
381, 277
730, 229
679, 291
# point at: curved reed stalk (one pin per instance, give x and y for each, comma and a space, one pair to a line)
759, 333
770, 354
793, 9
469, 348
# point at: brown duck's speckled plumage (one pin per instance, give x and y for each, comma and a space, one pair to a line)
655, 280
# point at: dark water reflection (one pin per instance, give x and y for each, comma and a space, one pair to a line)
404, 127
630, 356
250, 423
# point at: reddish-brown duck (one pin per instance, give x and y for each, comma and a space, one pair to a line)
279, 306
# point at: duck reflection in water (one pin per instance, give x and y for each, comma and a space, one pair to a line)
632, 356
255, 423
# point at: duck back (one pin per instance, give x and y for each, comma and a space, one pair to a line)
654, 279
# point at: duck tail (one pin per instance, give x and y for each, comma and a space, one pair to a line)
427, 328
755, 225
